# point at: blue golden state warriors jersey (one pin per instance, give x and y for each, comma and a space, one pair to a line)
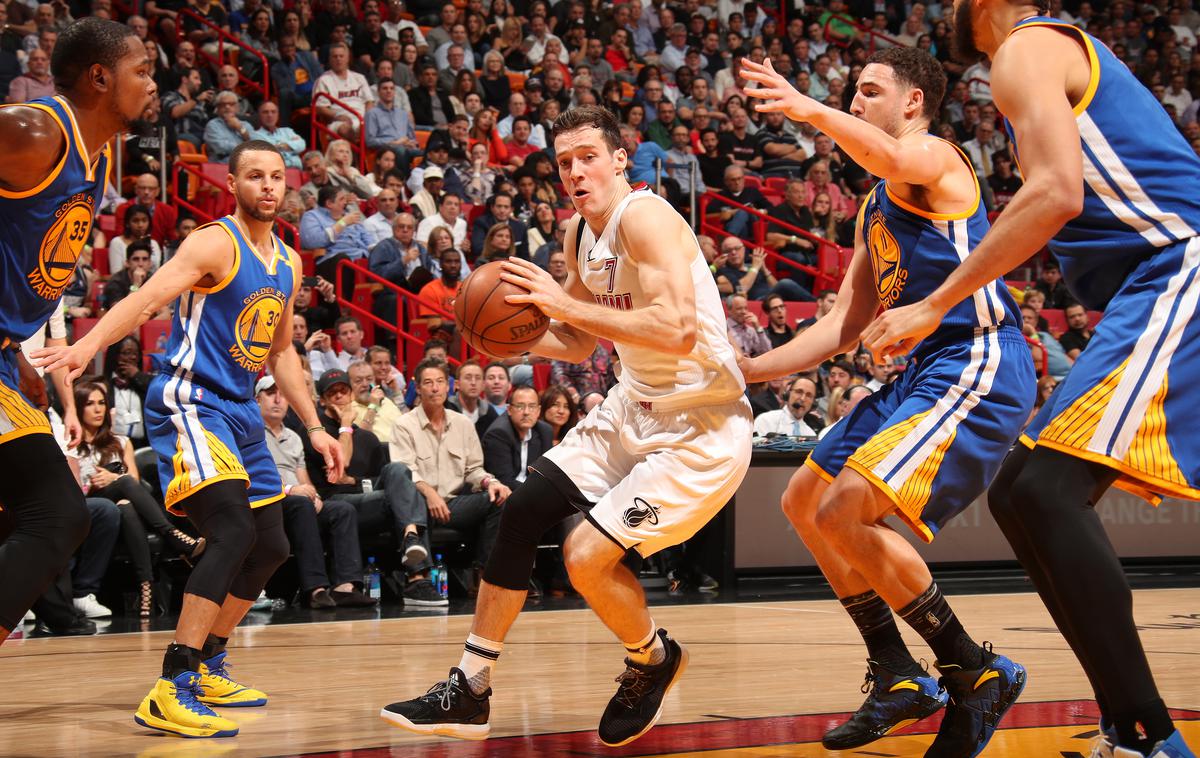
221, 335
913, 251
43, 230
1140, 178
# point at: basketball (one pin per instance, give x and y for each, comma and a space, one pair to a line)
490, 323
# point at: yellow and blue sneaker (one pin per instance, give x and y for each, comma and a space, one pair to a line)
173, 706
979, 698
893, 702
1172, 747
218, 688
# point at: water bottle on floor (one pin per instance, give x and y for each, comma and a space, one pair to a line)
442, 581
371, 580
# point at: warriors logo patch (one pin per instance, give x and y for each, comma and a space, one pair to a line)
890, 278
640, 513
255, 329
61, 247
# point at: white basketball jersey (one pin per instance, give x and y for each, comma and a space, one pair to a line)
708, 375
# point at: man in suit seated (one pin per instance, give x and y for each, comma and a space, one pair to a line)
517, 438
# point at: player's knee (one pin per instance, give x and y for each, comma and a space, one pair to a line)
837, 512
533, 508
271, 550
588, 554
231, 535
800, 507
77, 522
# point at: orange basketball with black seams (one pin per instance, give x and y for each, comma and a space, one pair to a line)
488, 322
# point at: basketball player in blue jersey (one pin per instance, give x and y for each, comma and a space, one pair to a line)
924, 447
56, 161
1110, 185
232, 282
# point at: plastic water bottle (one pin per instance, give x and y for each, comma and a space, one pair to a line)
371, 580
367, 487
442, 581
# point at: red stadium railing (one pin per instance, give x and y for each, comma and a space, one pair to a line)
832, 260
407, 304
360, 150
263, 88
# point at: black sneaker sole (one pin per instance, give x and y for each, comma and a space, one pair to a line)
458, 731
932, 706
683, 662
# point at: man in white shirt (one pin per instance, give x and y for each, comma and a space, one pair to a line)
350, 337
535, 43
448, 216
350, 88
379, 224
396, 22
517, 106
789, 420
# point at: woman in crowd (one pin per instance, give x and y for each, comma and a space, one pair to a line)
559, 410
494, 81
481, 182
261, 35
497, 245
385, 161
137, 227
483, 132
402, 71
464, 83
107, 469
541, 227
344, 173
511, 44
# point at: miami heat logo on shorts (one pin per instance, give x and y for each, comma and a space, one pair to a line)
640, 513
61, 247
255, 328
890, 278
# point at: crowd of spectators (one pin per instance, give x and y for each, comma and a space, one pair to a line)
433, 157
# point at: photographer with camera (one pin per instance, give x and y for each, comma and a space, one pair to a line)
107, 470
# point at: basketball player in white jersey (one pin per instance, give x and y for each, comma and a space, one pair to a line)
648, 467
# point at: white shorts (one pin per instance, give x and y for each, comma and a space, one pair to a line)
656, 477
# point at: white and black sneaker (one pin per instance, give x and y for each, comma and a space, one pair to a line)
638, 703
422, 594
449, 709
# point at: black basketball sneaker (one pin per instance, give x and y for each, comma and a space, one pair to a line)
893, 702
638, 703
449, 709
979, 698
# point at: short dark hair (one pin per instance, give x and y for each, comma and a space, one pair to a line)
428, 363
142, 245
250, 146
447, 195
825, 293
491, 201
919, 69
589, 116
435, 344
337, 325
523, 386
465, 364
1073, 304
844, 366
86, 43
327, 193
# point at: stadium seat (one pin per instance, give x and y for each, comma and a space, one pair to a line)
154, 335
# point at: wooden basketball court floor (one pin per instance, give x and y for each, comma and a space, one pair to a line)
766, 679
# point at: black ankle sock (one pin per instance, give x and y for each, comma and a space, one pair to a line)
930, 615
878, 628
1144, 726
214, 645
178, 659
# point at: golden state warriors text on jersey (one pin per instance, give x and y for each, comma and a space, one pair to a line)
61, 246
255, 330
44, 229
890, 277
221, 336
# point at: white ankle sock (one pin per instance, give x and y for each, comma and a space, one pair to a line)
648, 650
478, 659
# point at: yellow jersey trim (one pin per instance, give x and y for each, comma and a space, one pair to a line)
173, 503
1093, 60
233, 270
1146, 486
14, 434
84, 154
941, 216
816, 468
267, 500
10, 195
914, 523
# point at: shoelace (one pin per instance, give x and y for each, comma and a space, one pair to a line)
187, 696
870, 683
443, 692
222, 671
634, 683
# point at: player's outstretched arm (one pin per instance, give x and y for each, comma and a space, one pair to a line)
654, 237
32, 143
205, 253
284, 364
836, 333
920, 159
1029, 84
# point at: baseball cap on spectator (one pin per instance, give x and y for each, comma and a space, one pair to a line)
265, 383
534, 84
331, 379
433, 172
